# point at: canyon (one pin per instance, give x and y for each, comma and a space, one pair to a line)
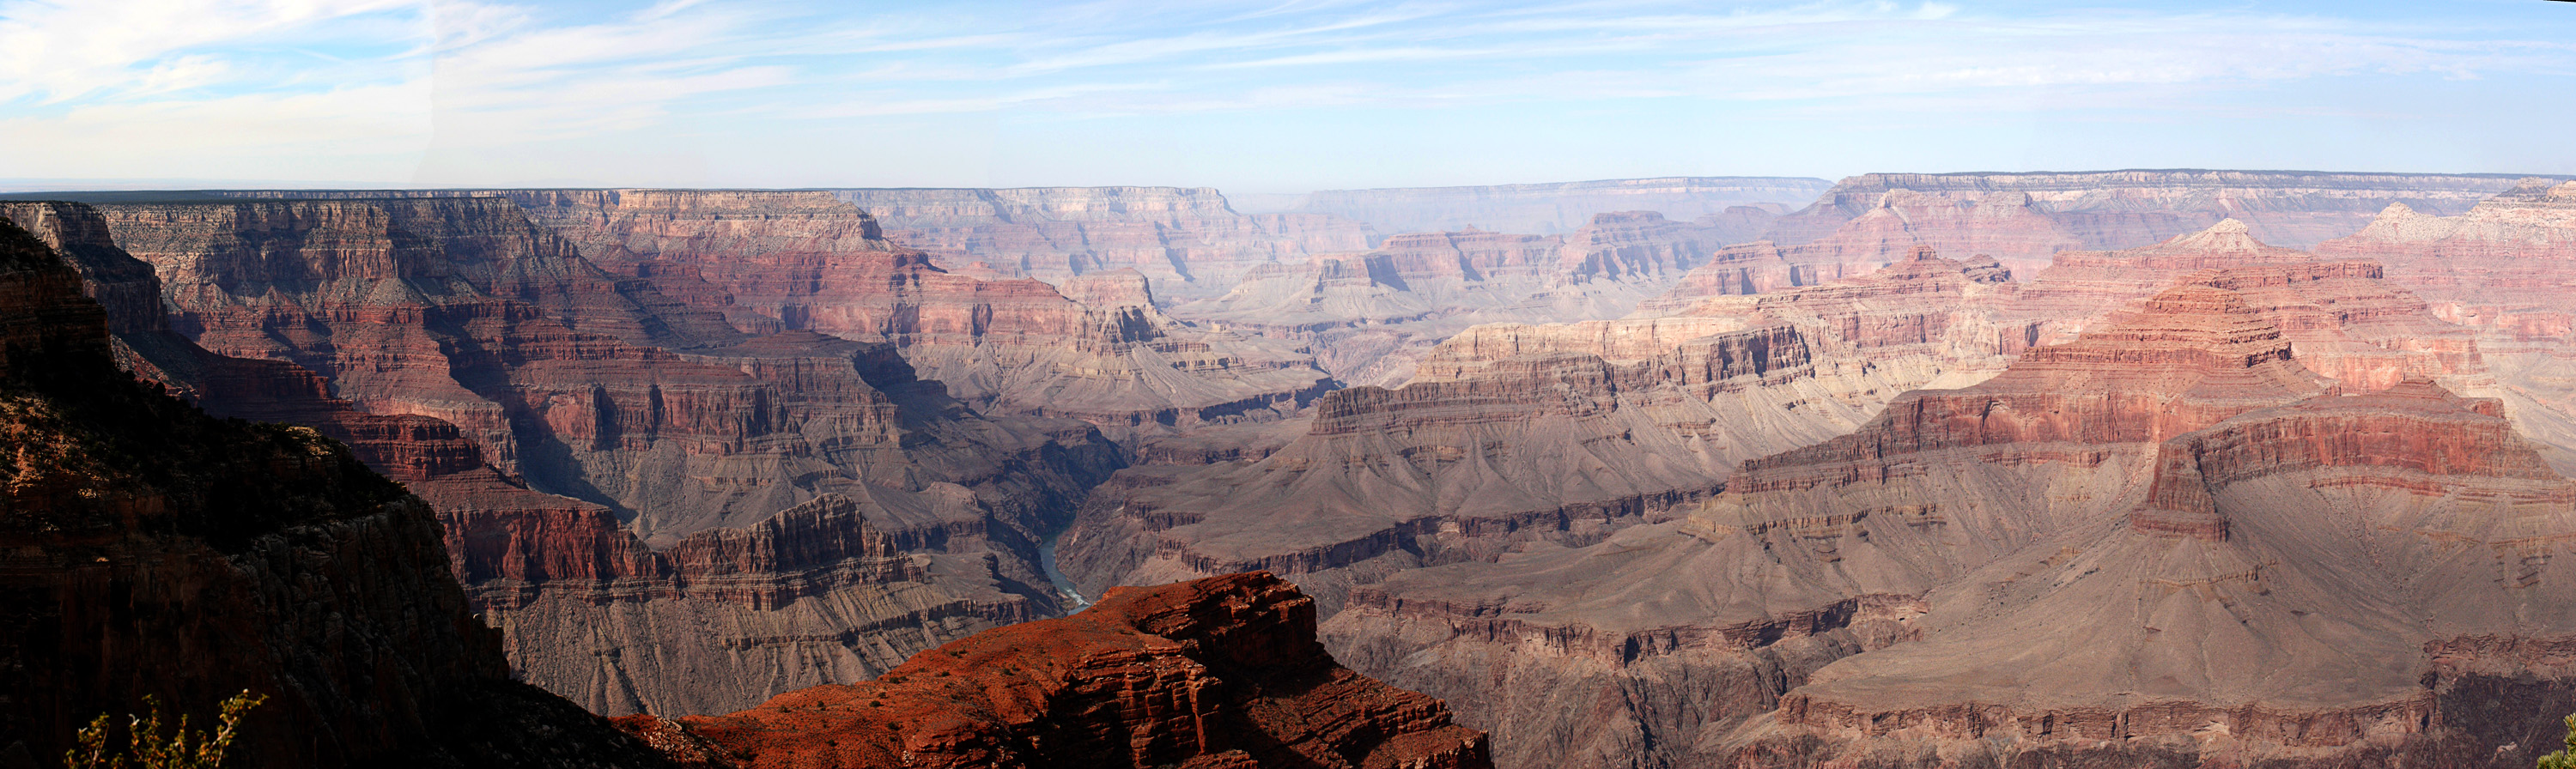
2135, 467
157, 553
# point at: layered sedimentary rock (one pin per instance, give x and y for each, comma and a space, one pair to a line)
2112, 210
1511, 434
2502, 268
1553, 208
1220, 672
1187, 240
2004, 229
1651, 646
1093, 346
1370, 316
154, 551
2348, 580
720, 441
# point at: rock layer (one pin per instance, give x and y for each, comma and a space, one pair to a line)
1189, 241
663, 446
1371, 316
1220, 672
154, 551
1686, 630
1548, 209
2112, 210
1511, 434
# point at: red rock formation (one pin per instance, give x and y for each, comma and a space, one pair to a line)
2113, 210
1188, 241
153, 551
1220, 672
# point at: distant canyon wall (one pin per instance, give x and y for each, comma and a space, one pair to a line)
1548, 209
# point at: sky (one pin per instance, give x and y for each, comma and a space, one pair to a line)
1279, 97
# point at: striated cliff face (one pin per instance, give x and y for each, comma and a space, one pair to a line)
808, 261
2005, 230
662, 448
1654, 645
154, 551
2317, 582
1549, 209
1513, 434
2499, 269
1371, 316
2111, 210
1219, 672
1187, 240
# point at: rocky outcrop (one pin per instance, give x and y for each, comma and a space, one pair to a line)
1549, 209
154, 551
1371, 316
1513, 434
2112, 210
1187, 240
1220, 672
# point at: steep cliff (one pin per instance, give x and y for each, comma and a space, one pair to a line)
1220, 672
1187, 240
657, 446
809, 261
2111, 210
1371, 316
154, 551
1512, 434
1548, 209
2501, 268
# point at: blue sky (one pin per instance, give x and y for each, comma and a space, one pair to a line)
1267, 97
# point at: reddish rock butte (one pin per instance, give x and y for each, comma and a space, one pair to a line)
1217, 672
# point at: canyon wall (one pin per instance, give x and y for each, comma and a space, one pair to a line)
1513, 434
1370, 317
2112, 210
1187, 240
2315, 583
639, 446
1548, 209
153, 551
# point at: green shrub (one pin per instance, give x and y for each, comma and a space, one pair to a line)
147, 748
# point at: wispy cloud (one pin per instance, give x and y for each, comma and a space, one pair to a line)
359, 85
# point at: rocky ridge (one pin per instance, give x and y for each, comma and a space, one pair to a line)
1218, 672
